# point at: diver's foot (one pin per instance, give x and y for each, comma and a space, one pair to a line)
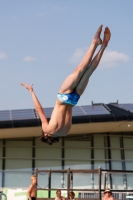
106, 38
97, 40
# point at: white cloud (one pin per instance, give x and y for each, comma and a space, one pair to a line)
58, 8
42, 14
109, 58
78, 55
29, 59
55, 8
2, 55
113, 58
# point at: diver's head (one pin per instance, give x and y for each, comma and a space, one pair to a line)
45, 137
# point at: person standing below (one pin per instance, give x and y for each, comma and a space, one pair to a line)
108, 195
32, 190
71, 195
58, 195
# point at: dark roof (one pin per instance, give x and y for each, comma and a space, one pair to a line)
100, 112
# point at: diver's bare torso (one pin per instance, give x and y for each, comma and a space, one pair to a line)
61, 120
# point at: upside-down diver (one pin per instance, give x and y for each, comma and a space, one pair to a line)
70, 91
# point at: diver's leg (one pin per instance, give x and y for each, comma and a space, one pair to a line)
85, 78
73, 79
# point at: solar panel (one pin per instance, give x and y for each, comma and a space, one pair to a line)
128, 107
5, 115
23, 114
48, 112
95, 110
77, 111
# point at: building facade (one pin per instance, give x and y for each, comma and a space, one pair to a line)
101, 136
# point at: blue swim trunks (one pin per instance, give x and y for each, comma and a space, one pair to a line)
71, 98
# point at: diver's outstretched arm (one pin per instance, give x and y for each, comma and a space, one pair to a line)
36, 102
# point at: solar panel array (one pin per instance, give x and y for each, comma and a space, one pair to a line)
6, 115
77, 111
23, 114
90, 110
48, 112
128, 107
95, 110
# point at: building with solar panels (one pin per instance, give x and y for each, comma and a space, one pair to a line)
101, 136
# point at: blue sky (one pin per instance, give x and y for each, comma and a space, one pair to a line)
42, 41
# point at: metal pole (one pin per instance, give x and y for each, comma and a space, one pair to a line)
104, 181
99, 191
3, 163
33, 154
71, 186
68, 181
49, 184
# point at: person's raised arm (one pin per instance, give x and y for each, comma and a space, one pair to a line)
36, 102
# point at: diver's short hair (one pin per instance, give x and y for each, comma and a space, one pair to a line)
48, 139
